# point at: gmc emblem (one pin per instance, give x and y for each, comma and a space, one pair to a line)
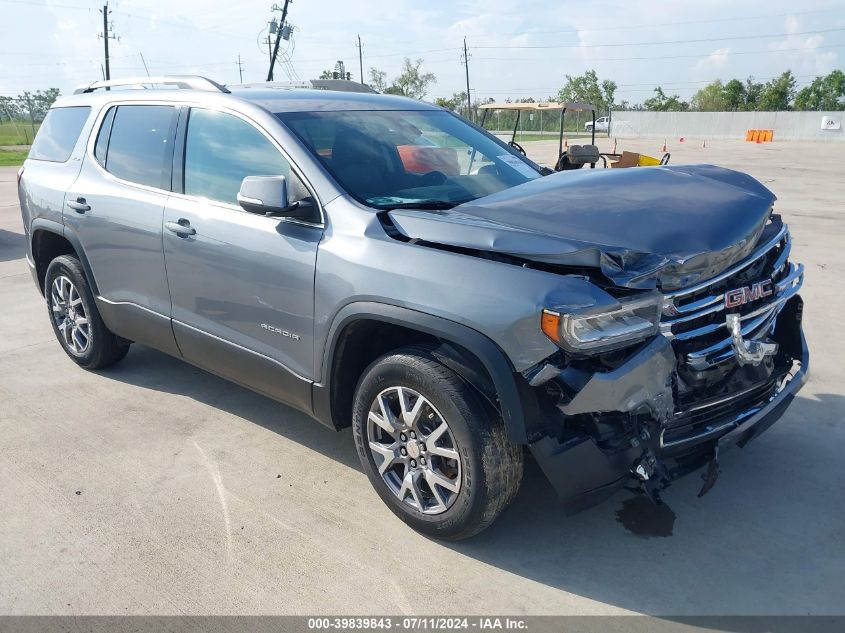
747, 294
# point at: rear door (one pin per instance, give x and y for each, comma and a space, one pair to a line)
116, 207
242, 285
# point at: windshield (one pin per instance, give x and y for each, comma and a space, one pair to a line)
395, 159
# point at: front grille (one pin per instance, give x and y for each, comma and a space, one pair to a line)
710, 417
694, 318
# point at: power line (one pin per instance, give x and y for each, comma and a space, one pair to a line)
625, 59
44, 6
631, 27
222, 63
694, 41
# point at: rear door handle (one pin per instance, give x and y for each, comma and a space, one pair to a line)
79, 205
182, 228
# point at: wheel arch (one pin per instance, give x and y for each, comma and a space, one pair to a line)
383, 327
49, 240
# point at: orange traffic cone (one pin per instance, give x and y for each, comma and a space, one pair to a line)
664, 146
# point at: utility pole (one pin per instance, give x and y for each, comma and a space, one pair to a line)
466, 65
106, 37
240, 68
144, 61
361, 59
278, 38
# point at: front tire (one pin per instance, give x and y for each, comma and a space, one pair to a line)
76, 321
435, 453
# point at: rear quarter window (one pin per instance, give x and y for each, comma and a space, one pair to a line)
58, 133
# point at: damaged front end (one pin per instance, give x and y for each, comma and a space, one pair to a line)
727, 361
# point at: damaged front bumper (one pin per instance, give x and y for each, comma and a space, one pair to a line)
653, 444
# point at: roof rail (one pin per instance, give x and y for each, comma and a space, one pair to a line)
183, 82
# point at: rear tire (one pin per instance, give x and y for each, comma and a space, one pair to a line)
76, 321
437, 456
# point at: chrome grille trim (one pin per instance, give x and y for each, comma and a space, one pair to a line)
757, 323
782, 235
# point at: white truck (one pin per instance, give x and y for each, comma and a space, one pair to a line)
602, 124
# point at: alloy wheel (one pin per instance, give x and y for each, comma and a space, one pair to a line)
70, 316
414, 450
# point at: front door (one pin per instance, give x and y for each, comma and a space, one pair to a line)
242, 285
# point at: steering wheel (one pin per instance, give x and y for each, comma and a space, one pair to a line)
517, 147
433, 178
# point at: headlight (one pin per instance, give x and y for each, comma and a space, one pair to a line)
636, 318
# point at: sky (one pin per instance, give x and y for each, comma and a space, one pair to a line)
518, 48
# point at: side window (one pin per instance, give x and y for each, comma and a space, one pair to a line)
58, 133
102, 145
221, 150
139, 143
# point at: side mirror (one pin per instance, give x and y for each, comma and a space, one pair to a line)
265, 195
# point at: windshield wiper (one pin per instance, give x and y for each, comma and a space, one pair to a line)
422, 204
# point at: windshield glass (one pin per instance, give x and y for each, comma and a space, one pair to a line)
394, 159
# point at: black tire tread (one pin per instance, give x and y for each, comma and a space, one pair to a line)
501, 460
108, 348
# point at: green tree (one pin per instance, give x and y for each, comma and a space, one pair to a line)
9, 110
35, 104
378, 80
753, 90
455, 102
711, 98
326, 74
777, 94
734, 94
662, 103
587, 88
412, 82
824, 93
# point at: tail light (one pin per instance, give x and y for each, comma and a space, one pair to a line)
20, 175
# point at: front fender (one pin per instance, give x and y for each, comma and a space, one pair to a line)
513, 399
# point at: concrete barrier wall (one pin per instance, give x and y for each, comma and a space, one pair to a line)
788, 126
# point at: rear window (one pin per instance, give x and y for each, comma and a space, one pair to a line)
58, 133
139, 143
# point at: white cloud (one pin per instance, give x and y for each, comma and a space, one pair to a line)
804, 50
714, 63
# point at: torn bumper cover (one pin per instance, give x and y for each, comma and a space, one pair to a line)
587, 466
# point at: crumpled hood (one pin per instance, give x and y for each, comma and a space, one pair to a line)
664, 227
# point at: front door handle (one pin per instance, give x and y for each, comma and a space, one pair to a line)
182, 228
79, 205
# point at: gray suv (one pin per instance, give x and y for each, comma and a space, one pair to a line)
384, 264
